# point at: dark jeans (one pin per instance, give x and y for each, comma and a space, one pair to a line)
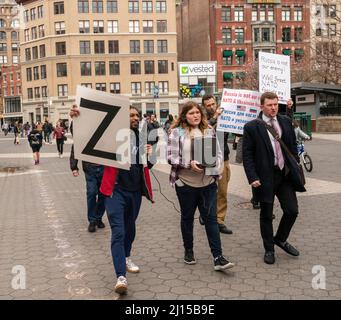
95, 199
205, 199
47, 136
60, 144
286, 195
122, 209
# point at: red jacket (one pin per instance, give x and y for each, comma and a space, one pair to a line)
109, 179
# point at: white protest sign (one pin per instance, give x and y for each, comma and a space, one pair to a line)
239, 107
101, 133
274, 75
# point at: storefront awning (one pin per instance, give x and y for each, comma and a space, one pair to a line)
227, 53
228, 75
287, 52
240, 53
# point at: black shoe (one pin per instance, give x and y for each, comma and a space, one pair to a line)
92, 226
224, 229
100, 224
287, 247
189, 257
255, 204
221, 263
201, 221
269, 257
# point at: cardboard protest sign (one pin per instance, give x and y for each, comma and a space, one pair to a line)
239, 107
101, 133
274, 75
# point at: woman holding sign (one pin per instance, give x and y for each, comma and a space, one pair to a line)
195, 184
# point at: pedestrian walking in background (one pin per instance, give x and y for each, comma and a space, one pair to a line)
16, 133
213, 112
169, 122
35, 140
267, 168
5, 128
27, 128
47, 130
94, 198
59, 135
195, 187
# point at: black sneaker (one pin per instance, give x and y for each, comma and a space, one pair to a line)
100, 224
220, 263
92, 226
189, 257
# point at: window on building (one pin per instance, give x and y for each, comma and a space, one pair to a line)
225, 14
15, 23
147, 6
98, 26
262, 13
86, 68
42, 51
239, 14
99, 46
37, 92
44, 91
114, 68
134, 46
161, 7
62, 90
113, 46
298, 12
43, 73
162, 66
133, 6
265, 34
28, 54
113, 26
84, 26
84, 47
298, 55
271, 14
331, 28
3, 47
161, 25
36, 73
97, 6
298, 34
26, 16
33, 13
115, 87
148, 46
61, 69
28, 74
162, 46
15, 59
86, 85
26, 34
112, 6
226, 35
40, 10
286, 37
134, 26
147, 26
59, 27
35, 52
254, 13
149, 87
135, 67
149, 67
34, 33
136, 88
58, 7
240, 57
239, 34
60, 48
163, 87
83, 6
101, 86
14, 36
285, 13
29, 93
100, 68
41, 31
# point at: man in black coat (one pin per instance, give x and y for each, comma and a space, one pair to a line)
267, 168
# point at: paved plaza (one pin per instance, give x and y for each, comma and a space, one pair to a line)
46, 251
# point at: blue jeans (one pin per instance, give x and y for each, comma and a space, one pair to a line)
205, 199
122, 208
95, 199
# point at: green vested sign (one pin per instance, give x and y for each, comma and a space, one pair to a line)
184, 70
197, 69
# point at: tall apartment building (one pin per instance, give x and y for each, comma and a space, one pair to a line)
232, 32
125, 47
10, 87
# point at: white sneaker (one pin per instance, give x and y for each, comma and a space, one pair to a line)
121, 285
131, 266
61, 156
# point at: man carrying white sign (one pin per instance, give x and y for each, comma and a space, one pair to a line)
123, 190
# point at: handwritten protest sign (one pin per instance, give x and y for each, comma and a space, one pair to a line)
240, 107
274, 74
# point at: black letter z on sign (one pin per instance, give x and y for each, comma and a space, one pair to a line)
111, 114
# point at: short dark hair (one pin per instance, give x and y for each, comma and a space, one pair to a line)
267, 95
206, 97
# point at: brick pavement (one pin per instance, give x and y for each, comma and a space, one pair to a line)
44, 229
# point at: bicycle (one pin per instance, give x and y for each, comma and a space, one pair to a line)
306, 159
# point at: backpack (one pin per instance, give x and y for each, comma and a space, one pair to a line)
35, 139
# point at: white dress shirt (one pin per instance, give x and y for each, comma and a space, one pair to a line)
272, 139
